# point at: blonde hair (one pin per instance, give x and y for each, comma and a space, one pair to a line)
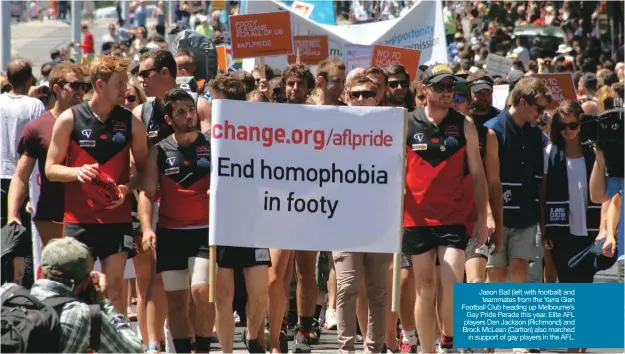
602, 94
103, 67
141, 97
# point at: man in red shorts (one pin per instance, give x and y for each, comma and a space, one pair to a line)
440, 142
90, 152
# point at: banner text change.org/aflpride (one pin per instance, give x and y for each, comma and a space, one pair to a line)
318, 138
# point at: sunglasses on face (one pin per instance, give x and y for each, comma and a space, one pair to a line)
364, 94
131, 98
460, 98
77, 85
395, 84
569, 126
421, 97
440, 87
145, 73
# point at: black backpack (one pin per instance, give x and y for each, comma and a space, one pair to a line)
32, 326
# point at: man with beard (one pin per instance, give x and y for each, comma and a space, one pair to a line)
481, 109
297, 81
178, 168
398, 89
441, 143
331, 81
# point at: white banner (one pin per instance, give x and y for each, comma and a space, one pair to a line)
500, 95
358, 62
496, 65
421, 28
307, 177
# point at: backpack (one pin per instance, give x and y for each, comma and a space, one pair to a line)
32, 326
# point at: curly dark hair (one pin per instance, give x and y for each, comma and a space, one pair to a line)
299, 71
232, 87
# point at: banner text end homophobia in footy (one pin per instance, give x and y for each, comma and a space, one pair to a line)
359, 174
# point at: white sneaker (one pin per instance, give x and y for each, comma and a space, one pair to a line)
237, 318
330, 319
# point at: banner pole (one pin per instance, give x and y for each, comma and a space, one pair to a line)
298, 57
212, 274
397, 256
262, 68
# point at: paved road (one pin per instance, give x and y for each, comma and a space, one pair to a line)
36, 39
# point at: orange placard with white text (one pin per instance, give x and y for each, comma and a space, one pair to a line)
222, 58
561, 87
384, 56
261, 35
312, 49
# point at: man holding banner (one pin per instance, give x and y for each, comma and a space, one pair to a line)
440, 143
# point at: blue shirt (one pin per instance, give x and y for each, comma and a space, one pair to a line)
613, 186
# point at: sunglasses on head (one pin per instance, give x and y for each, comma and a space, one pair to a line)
395, 84
363, 94
569, 126
131, 98
440, 87
460, 98
76, 85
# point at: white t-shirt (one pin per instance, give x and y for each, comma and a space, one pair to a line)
578, 192
15, 113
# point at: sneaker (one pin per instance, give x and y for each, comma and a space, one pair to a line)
237, 318
316, 332
441, 350
302, 341
284, 341
253, 346
152, 348
330, 320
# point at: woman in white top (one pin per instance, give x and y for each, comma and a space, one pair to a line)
569, 220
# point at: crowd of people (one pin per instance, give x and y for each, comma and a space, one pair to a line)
120, 149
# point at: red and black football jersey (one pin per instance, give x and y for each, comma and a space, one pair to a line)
107, 144
435, 169
184, 180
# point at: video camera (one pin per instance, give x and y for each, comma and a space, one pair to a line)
606, 133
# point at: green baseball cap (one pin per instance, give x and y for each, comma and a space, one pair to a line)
462, 85
66, 258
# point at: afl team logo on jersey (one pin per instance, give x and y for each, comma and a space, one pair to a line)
419, 136
171, 160
119, 138
89, 142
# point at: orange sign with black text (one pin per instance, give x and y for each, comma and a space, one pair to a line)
261, 35
384, 56
561, 87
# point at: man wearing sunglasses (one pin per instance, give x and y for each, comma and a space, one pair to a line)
441, 143
66, 81
521, 168
398, 89
481, 109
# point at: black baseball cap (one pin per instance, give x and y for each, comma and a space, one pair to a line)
436, 73
483, 83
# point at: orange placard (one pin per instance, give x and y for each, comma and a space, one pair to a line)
312, 49
222, 58
261, 35
384, 56
561, 87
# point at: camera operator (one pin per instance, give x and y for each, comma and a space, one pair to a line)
67, 270
603, 186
